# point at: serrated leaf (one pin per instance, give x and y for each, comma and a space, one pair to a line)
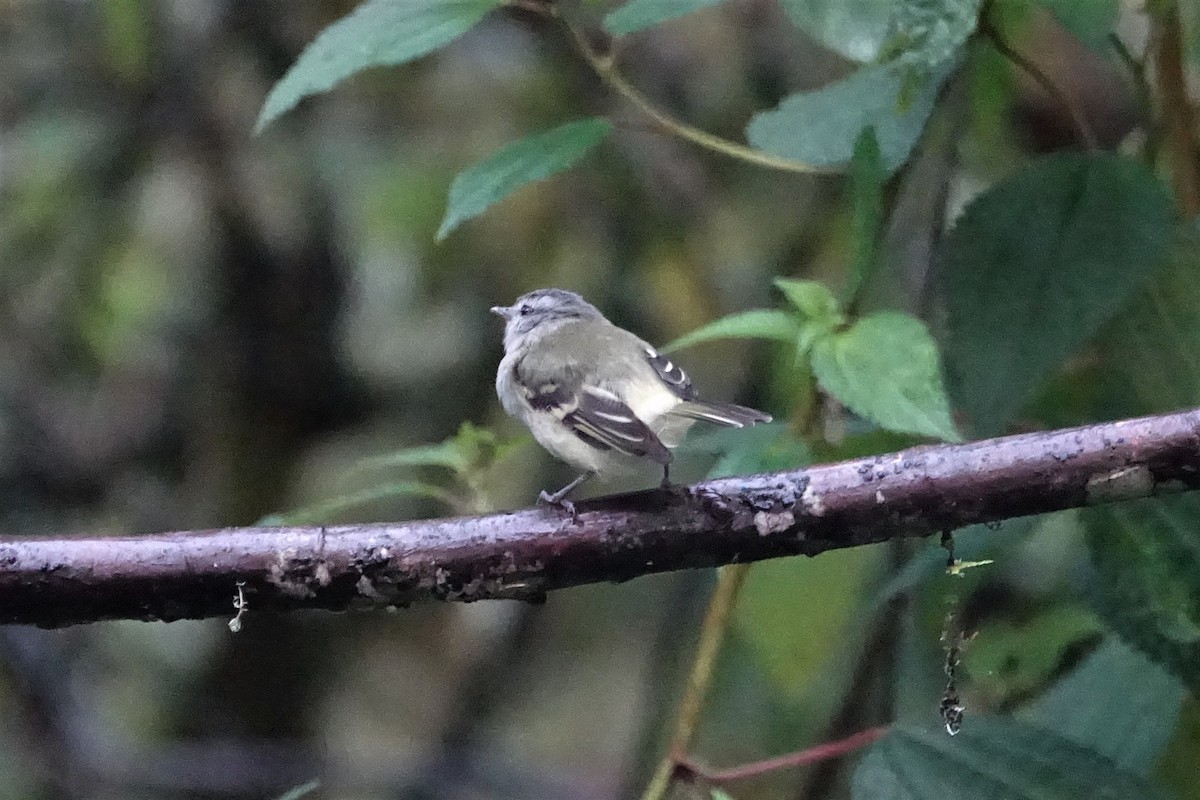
855, 28
1152, 349
637, 15
991, 758
1116, 703
1147, 554
820, 127
378, 33
886, 368
757, 324
925, 33
522, 162
1036, 265
1091, 21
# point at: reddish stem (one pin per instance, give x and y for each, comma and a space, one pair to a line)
811, 755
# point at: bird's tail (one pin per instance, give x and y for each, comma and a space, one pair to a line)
727, 414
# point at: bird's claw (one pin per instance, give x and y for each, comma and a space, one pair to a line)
546, 498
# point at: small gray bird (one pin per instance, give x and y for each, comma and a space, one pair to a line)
594, 395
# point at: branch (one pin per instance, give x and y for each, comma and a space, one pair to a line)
57, 581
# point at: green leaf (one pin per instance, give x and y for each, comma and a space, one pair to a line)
1115, 703
525, 161
797, 615
813, 300
446, 454
763, 448
1152, 349
327, 510
637, 15
1147, 556
886, 368
719, 794
303, 790
821, 126
991, 758
1036, 265
867, 177
855, 28
470, 448
1091, 21
756, 324
926, 33
1013, 658
377, 33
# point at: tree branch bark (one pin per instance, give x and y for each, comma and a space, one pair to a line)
56, 581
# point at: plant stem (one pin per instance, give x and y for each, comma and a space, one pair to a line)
821, 752
605, 68
712, 634
1084, 129
1177, 114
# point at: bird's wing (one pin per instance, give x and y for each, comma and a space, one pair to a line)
594, 414
692, 407
671, 374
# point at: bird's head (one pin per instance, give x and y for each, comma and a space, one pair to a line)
539, 312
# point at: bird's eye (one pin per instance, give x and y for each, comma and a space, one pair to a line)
524, 309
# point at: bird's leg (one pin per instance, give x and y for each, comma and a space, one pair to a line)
559, 497
666, 481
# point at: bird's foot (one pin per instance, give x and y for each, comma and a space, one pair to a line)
557, 499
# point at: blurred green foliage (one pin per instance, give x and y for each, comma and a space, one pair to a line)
200, 326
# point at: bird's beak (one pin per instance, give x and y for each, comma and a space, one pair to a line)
502, 311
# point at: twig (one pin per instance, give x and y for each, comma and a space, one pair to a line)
1078, 119
58, 580
605, 67
821, 752
712, 634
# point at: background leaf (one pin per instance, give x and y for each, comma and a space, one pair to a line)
637, 15
886, 368
855, 28
792, 609
1152, 350
1090, 21
867, 177
991, 758
813, 300
1147, 554
1036, 265
377, 33
1116, 703
524, 161
1012, 659
821, 126
756, 324
331, 509
762, 448
926, 33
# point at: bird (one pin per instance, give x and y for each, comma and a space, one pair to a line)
593, 394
